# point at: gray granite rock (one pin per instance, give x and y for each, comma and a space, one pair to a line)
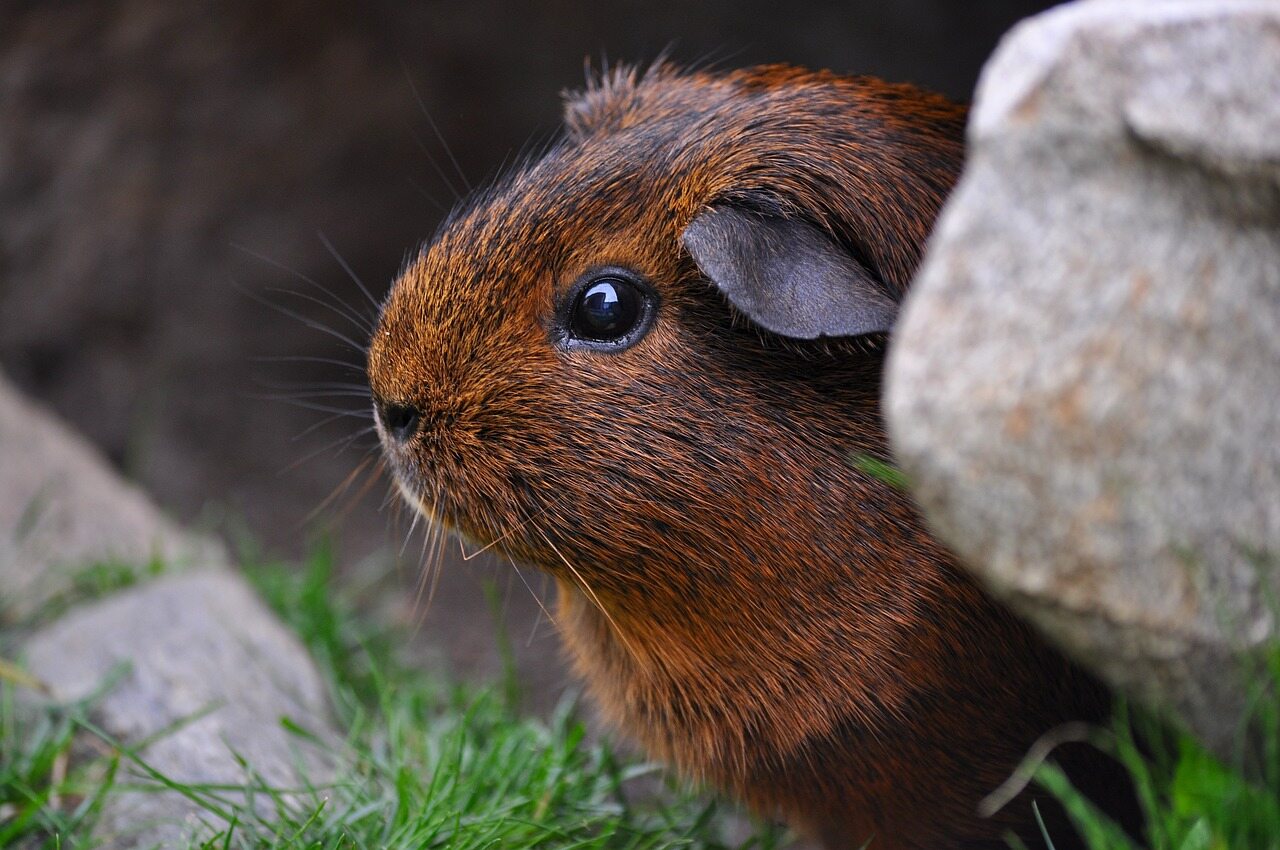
201, 657
1085, 384
62, 509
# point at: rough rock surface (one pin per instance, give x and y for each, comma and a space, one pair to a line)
200, 646
1085, 384
63, 509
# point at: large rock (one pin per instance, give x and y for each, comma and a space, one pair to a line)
1085, 384
63, 509
206, 660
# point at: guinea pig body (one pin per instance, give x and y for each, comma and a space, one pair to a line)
583, 370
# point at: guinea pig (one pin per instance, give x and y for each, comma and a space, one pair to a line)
648, 362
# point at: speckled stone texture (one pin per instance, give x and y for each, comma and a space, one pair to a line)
1084, 387
200, 665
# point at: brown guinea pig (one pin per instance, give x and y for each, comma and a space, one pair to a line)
647, 363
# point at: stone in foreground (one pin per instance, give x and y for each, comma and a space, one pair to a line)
198, 646
1085, 384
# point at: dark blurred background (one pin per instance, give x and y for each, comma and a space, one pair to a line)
148, 149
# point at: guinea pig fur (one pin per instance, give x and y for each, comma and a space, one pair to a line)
647, 363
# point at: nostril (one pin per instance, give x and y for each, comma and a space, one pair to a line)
400, 420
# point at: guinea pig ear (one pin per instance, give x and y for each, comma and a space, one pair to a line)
788, 276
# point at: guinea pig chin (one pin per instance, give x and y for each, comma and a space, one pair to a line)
421, 495
424, 468
403, 471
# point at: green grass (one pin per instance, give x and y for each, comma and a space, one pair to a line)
880, 470
1191, 799
426, 763
91, 582
429, 763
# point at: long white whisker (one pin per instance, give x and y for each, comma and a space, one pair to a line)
340, 306
424, 566
591, 594
413, 524
541, 606
342, 487
439, 136
355, 278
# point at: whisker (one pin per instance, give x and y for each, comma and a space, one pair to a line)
431, 121
542, 613
355, 413
340, 306
337, 491
312, 385
591, 594
315, 426
413, 524
362, 323
336, 392
355, 278
434, 539
437, 560
398, 506
541, 606
518, 527
292, 358
378, 469
551, 502
435, 165
426, 567
432, 199
395, 497
341, 444
306, 320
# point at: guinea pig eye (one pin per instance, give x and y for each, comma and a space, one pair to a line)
608, 311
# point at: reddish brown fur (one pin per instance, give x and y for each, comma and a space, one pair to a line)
738, 596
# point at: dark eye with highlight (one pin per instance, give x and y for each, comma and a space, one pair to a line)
609, 311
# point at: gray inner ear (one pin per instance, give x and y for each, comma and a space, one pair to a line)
788, 276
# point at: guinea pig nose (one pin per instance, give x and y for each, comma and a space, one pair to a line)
400, 420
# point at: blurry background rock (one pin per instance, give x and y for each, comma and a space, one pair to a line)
190, 661
199, 669
63, 510
1085, 385
141, 141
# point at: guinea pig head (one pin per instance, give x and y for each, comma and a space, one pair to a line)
594, 357
648, 361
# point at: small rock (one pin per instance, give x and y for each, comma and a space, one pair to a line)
1085, 384
202, 646
62, 509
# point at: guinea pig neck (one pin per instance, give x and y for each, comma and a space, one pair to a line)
824, 644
